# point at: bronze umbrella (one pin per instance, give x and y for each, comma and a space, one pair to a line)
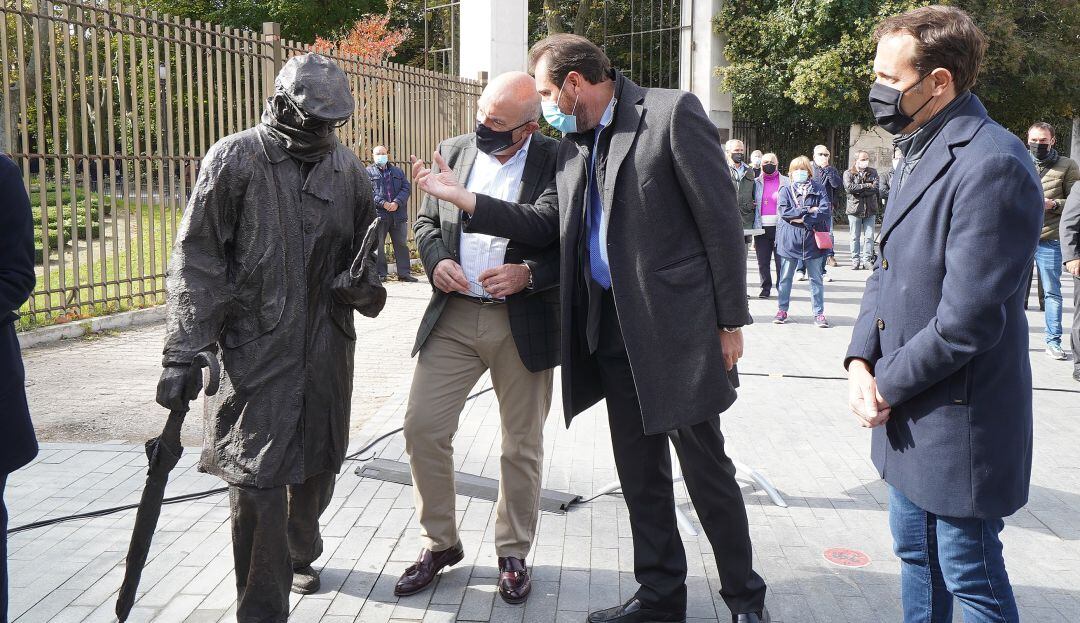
163, 453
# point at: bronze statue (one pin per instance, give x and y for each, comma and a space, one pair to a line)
277, 216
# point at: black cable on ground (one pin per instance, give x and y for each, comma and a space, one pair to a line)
188, 497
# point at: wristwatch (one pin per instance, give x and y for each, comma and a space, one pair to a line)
528, 286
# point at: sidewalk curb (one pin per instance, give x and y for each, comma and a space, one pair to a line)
79, 328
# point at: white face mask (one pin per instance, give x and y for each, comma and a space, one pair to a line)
862, 164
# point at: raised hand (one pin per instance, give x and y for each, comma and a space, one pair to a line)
443, 184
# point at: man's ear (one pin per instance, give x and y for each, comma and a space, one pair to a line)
942, 79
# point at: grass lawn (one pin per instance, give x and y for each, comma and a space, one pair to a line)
106, 281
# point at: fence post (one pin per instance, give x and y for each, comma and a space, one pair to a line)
482, 78
274, 57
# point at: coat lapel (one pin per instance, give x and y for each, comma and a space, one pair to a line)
461, 161
627, 121
934, 163
530, 176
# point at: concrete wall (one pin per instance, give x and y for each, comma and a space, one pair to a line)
874, 140
494, 36
701, 52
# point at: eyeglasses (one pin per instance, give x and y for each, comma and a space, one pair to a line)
308, 122
823, 155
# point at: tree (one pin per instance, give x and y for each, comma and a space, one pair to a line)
800, 66
370, 38
301, 20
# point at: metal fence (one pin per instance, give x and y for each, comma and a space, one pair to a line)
108, 109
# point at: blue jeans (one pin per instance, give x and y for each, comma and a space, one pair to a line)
862, 238
816, 268
1048, 261
946, 557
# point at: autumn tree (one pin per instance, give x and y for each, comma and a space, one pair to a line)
371, 38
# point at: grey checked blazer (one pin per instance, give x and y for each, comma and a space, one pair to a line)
534, 314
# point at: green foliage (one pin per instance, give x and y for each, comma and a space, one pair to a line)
79, 211
301, 20
799, 66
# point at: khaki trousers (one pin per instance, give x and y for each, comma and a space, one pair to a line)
468, 339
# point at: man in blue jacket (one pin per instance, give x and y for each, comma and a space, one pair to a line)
18, 446
938, 362
391, 189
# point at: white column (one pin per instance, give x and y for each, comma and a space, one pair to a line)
494, 36
701, 52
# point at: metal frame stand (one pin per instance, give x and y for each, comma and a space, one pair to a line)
741, 469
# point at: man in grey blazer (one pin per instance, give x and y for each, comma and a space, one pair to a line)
494, 305
652, 298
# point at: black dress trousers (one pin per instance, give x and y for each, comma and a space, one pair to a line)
643, 463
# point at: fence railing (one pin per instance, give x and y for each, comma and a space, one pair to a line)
108, 110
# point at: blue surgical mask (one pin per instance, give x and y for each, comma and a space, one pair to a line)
801, 176
382, 159
565, 123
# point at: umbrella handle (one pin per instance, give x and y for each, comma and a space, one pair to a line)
205, 359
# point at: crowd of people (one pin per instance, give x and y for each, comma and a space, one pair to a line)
787, 241
536, 262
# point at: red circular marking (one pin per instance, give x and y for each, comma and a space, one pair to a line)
846, 557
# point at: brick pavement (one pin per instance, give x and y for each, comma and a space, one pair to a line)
795, 431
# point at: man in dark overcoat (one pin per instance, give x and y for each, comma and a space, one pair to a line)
18, 445
938, 361
652, 300
279, 211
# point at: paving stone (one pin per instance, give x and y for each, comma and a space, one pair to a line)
795, 431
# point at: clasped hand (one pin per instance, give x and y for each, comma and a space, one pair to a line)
864, 399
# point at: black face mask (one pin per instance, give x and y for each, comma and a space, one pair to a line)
885, 103
1039, 150
737, 158
491, 142
769, 168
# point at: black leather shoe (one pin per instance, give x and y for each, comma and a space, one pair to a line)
752, 617
634, 611
407, 278
419, 575
514, 582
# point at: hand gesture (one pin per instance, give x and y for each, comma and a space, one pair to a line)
442, 185
505, 280
449, 277
1073, 268
392, 206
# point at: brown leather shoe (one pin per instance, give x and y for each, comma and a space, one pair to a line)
514, 582
417, 577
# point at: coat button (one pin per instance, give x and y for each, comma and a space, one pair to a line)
885, 264
880, 324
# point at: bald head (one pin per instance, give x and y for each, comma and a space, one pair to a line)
511, 97
510, 103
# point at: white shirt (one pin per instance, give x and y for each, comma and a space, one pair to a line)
480, 252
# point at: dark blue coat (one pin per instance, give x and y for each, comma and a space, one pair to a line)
18, 446
399, 191
795, 241
942, 322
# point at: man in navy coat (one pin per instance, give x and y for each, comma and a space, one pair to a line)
18, 446
938, 362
